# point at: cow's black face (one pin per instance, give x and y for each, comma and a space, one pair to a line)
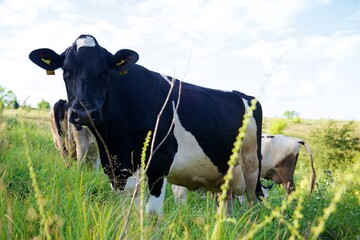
86, 68
85, 73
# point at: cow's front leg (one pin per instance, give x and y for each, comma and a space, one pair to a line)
157, 194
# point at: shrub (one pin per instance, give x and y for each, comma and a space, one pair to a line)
277, 126
43, 105
336, 146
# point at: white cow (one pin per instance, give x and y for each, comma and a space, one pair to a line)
279, 157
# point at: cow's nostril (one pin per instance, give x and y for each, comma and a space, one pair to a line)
85, 117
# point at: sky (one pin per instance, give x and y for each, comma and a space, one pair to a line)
293, 55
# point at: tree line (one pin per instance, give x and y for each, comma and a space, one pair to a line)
8, 100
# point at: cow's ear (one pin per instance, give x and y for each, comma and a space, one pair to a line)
47, 59
124, 59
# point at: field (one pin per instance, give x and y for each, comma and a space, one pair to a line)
40, 198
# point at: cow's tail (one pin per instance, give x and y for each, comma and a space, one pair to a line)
258, 119
313, 177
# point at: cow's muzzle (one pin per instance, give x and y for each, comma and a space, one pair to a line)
85, 116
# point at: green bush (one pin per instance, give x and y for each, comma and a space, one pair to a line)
277, 126
43, 105
336, 146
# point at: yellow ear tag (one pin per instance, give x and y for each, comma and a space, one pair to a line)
123, 72
47, 61
121, 62
50, 72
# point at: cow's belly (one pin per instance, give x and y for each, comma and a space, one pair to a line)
194, 171
191, 167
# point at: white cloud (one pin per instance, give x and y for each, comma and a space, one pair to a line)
307, 88
111, 2
203, 20
304, 66
26, 13
235, 44
355, 17
275, 15
324, 1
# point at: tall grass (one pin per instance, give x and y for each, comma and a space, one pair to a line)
79, 204
220, 215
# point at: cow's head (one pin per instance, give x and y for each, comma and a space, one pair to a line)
86, 68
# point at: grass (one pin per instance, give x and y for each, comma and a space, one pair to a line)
79, 204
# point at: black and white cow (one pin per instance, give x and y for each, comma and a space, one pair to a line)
71, 142
121, 101
280, 154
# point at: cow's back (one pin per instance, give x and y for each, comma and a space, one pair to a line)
276, 148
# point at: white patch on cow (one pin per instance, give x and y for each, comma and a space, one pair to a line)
265, 192
97, 163
166, 78
179, 193
248, 158
155, 204
115, 189
238, 183
251, 129
191, 167
85, 42
132, 183
246, 104
276, 149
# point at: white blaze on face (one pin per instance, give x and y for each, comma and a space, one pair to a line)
85, 42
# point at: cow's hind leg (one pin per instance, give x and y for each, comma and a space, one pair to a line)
250, 160
251, 179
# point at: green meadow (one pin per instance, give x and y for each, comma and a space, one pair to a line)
42, 198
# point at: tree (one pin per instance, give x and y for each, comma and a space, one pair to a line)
15, 105
25, 105
7, 99
294, 116
291, 114
43, 105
